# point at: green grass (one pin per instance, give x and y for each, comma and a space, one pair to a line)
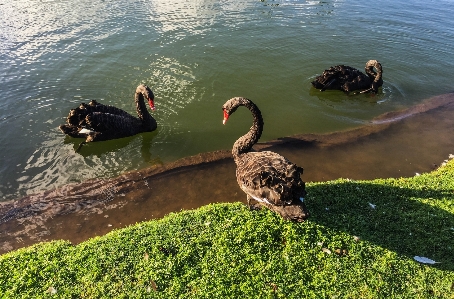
227, 251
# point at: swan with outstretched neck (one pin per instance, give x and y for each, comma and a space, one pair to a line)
346, 78
98, 122
265, 176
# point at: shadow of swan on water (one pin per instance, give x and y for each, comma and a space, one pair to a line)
102, 147
395, 221
335, 96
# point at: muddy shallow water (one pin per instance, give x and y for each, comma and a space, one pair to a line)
397, 144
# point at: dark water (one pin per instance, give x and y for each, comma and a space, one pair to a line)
196, 55
398, 144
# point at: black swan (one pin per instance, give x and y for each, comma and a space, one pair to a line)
348, 79
266, 177
97, 122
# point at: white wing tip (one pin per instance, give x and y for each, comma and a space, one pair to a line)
86, 131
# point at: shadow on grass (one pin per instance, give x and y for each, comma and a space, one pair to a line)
390, 217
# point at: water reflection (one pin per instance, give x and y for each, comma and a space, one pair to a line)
50, 165
111, 147
337, 96
194, 17
175, 84
301, 8
30, 29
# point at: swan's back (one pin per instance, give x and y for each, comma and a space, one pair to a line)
77, 115
111, 126
268, 176
341, 77
346, 78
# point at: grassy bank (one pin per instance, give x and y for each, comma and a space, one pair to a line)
358, 243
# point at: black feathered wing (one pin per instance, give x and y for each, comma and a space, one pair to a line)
269, 177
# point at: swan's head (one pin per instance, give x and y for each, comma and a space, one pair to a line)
231, 105
148, 94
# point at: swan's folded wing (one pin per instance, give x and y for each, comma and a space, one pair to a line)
111, 126
268, 177
94, 106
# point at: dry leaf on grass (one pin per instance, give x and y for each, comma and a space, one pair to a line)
52, 290
326, 250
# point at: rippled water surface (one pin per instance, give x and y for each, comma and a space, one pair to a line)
195, 55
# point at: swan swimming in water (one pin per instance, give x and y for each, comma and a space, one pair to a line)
348, 79
97, 122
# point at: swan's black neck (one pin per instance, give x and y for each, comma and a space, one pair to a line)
148, 122
244, 143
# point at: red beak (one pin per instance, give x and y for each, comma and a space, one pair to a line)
151, 103
226, 117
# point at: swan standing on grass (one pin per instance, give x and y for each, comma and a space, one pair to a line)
97, 122
348, 79
266, 177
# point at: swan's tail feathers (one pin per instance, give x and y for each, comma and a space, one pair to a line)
70, 130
